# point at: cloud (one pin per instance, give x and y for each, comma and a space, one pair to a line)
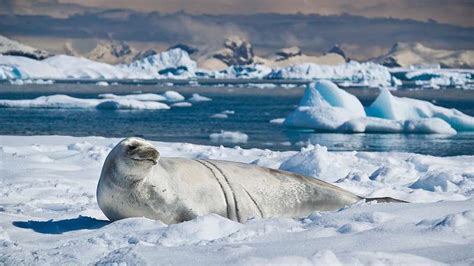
454, 11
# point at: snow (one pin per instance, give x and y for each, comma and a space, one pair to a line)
229, 137
50, 214
68, 102
325, 107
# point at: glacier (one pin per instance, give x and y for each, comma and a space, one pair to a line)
325, 107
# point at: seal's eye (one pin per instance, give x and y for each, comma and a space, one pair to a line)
131, 147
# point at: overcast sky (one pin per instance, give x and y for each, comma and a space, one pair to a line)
458, 12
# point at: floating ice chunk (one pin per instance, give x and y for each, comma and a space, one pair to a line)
390, 107
68, 102
53, 101
173, 96
229, 137
131, 104
102, 83
219, 115
182, 104
199, 98
139, 97
277, 121
380, 125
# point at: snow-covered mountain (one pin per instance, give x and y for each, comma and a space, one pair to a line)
11, 47
112, 53
408, 54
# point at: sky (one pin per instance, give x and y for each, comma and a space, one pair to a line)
458, 12
363, 28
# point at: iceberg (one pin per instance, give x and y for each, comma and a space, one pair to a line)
325, 107
172, 63
60, 101
367, 74
396, 108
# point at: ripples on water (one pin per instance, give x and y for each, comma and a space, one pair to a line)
194, 125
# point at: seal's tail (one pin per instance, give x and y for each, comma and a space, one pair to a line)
385, 200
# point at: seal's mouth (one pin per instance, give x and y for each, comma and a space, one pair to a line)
144, 153
154, 161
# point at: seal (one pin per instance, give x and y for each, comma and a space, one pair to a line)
136, 182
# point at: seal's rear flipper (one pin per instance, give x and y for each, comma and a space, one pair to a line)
385, 199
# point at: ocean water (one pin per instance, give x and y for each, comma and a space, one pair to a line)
253, 108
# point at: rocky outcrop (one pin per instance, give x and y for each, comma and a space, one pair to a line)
336, 49
286, 53
11, 47
237, 51
408, 54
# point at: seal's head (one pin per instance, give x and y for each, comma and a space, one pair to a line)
133, 157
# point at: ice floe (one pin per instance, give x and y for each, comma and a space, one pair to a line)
67, 102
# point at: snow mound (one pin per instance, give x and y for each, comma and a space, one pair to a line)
182, 104
325, 107
203, 228
67, 102
229, 137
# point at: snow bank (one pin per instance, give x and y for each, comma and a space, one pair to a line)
325, 107
68, 102
49, 210
229, 137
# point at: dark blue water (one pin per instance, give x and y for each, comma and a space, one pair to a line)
194, 125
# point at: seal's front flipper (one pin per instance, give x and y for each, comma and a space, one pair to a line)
385, 200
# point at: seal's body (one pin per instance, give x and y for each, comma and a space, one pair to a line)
135, 182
